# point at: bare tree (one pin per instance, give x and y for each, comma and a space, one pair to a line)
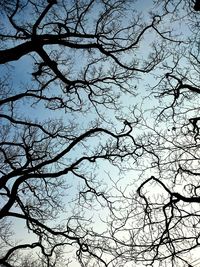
166, 230
76, 58
68, 72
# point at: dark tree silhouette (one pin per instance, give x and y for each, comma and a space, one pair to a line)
197, 5
166, 230
67, 68
79, 56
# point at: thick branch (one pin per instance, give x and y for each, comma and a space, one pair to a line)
16, 52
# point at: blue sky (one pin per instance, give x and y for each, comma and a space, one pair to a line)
21, 75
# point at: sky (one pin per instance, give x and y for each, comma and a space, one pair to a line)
20, 73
